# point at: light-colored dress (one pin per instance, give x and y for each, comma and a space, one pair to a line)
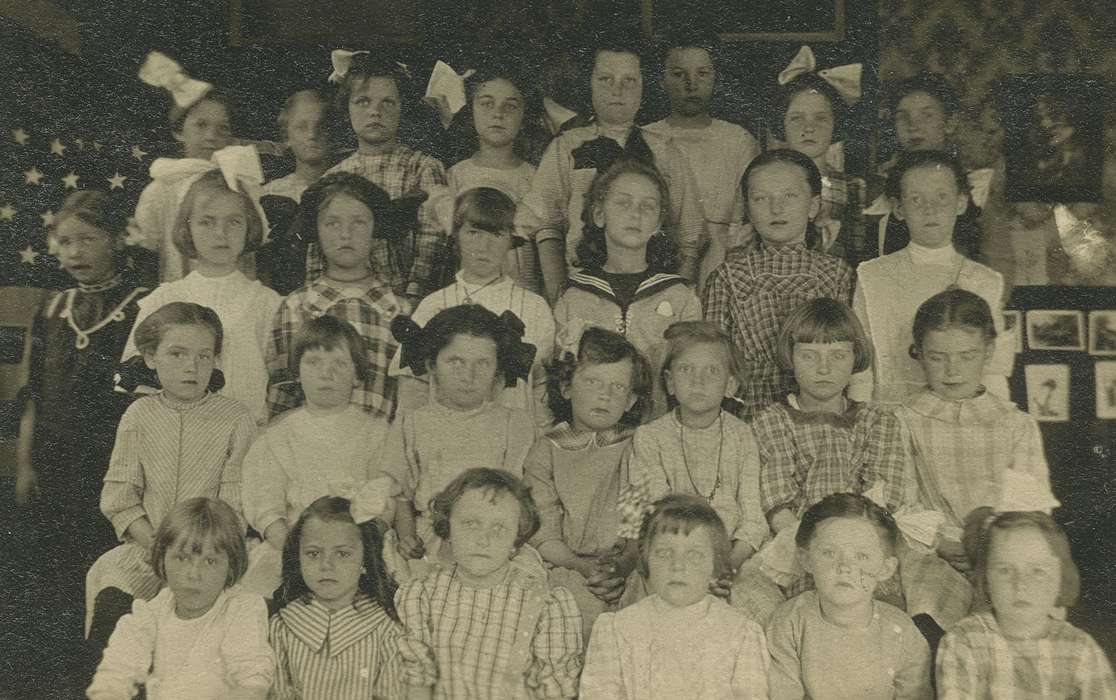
246, 309
201, 659
654, 651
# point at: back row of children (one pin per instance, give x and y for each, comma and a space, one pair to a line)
603, 385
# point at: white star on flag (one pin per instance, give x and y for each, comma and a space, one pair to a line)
20, 136
7, 212
56, 147
97, 145
116, 181
71, 180
32, 176
138, 153
48, 218
28, 255
80, 143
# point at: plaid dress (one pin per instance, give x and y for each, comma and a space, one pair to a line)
410, 267
370, 311
750, 297
843, 199
976, 661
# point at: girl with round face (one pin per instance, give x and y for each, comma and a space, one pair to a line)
630, 214
218, 229
809, 121
345, 226
930, 202
86, 252
616, 87
781, 203
184, 360
498, 107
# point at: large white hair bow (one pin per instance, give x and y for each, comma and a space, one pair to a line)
342, 61
844, 79
159, 70
239, 165
446, 83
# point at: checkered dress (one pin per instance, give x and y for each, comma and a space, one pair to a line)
976, 661
843, 200
409, 268
369, 311
753, 293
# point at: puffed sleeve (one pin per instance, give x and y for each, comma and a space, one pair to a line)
541, 214
430, 239
283, 391
862, 384
778, 479
127, 660
749, 675
395, 458
249, 661
784, 675
912, 679
686, 208
1028, 454
538, 473
1094, 673
240, 439
150, 212
388, 662
282, 685
416, 648
145, 306
959, 675
122, 493
645, 461
602, 678
717, 301
885, 459
752, 524
265, 484
556, 648
691, 309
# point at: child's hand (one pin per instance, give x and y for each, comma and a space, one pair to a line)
26, 486
721, 587
411, 546
606, 583
954, 553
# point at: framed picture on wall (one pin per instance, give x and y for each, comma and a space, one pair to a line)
1048, 392
1055, 330
1105, 379
1102, 333
1013, 323
740, 20
1053, 137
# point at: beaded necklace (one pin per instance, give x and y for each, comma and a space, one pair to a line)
686, 461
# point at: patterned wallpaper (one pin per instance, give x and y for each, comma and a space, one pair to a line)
974, 43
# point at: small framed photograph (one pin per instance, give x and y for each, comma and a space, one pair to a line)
1056, 330
1013, 323
1105, 377
1102, 333
1048, 392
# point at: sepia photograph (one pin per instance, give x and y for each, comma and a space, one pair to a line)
1102, 332
1055, 330
1048, 392
1105, 377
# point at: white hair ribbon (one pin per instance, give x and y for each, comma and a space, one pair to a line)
446, 82
844, 79
159, 70
342, 60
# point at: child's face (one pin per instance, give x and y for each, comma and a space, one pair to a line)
328, 377
630, 213
374, 111
195, 578
184, 360
206, 129
600, 394
219, 228
330, 555
681, 566
688, 78
808, 123
617, 87
780, 203
847, 559
930, 203
699, 378
921, 123
306, 132
465, 372
497, 112
1024, 577
482, 252
954, 360
822, 370
345, 228
85, 251
484, 524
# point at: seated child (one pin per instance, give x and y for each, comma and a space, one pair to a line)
681, 642
336, 635
929, 191
627, 282
751, 295
326, 447
698, 448
180, 443
483, 227
1020, 648
488, 626
199, 637
215, 226
343, 212
468, 350
576, 470
837, 641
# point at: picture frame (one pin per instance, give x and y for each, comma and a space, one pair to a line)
1102, 333
1048, 392
1105, 382
775, 20
1061, 329
1013, 323
1053, 137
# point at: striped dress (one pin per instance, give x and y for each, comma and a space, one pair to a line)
166, 451
345, 654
